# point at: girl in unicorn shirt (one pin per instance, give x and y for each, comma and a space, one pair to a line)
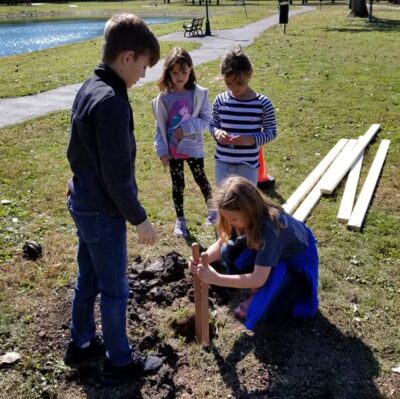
182, 113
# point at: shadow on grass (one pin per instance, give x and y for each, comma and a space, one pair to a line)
377, 25
192, 238
88, 378
311, 359
271, 192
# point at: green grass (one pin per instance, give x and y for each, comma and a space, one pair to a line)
91, 8
54, 67
40, 71
329, 77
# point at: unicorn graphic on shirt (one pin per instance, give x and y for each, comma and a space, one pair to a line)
179, 113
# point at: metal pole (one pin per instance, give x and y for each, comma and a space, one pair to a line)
370, 10
208, 30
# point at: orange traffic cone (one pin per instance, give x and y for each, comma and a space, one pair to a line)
263, 178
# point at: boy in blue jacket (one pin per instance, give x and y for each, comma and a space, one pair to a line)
103, 195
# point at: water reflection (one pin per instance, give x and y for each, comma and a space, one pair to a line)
24, 37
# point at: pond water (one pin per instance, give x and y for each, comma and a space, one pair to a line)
27, 36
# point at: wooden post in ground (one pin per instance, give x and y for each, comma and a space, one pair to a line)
205, 329
201, 299
197, 293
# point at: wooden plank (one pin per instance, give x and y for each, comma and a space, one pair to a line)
330, 180
205, 329
313, 197
350, 190
360, 209
306, 186
197, 294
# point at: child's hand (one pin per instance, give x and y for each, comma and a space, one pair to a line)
222, 137
146, 233
193, 264
165, 160
241, 140
206, 274
179, 133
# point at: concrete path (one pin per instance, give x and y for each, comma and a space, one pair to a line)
14, 110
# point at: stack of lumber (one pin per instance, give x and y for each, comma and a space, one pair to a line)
345, 157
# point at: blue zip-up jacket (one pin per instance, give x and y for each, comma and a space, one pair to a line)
102, 147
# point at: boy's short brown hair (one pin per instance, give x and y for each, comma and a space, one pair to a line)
235, 62
129, 32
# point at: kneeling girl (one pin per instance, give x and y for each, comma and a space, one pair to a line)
265, 250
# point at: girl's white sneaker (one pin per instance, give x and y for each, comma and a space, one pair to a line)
180, 229
212, 216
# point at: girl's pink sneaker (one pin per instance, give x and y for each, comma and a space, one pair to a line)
243, 308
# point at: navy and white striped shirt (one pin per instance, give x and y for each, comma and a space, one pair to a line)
254, 117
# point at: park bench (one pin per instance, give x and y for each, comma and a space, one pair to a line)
194, 27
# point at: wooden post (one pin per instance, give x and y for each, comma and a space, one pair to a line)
197, 293
367, 191
205, 329
350, 191
308, 184
332, 178
201, 299
315, 194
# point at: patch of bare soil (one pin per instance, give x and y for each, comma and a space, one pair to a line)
311, 359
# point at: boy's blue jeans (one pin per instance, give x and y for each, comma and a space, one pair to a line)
102, 265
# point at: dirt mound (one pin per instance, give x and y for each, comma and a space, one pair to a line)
310, 359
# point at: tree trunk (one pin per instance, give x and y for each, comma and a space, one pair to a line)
359, 9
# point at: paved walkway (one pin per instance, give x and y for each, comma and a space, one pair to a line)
14, 110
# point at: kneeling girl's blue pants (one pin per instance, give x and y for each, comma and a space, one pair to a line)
290, 290
298, 275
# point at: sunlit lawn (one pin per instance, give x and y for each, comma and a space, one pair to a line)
329, 77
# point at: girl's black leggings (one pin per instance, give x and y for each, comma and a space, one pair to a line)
176, 168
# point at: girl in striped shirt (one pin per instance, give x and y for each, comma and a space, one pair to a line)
242, 121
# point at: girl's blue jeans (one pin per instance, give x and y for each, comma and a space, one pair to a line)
224, 170
102, 265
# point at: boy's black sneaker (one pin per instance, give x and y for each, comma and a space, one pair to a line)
76, 357
139, 366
